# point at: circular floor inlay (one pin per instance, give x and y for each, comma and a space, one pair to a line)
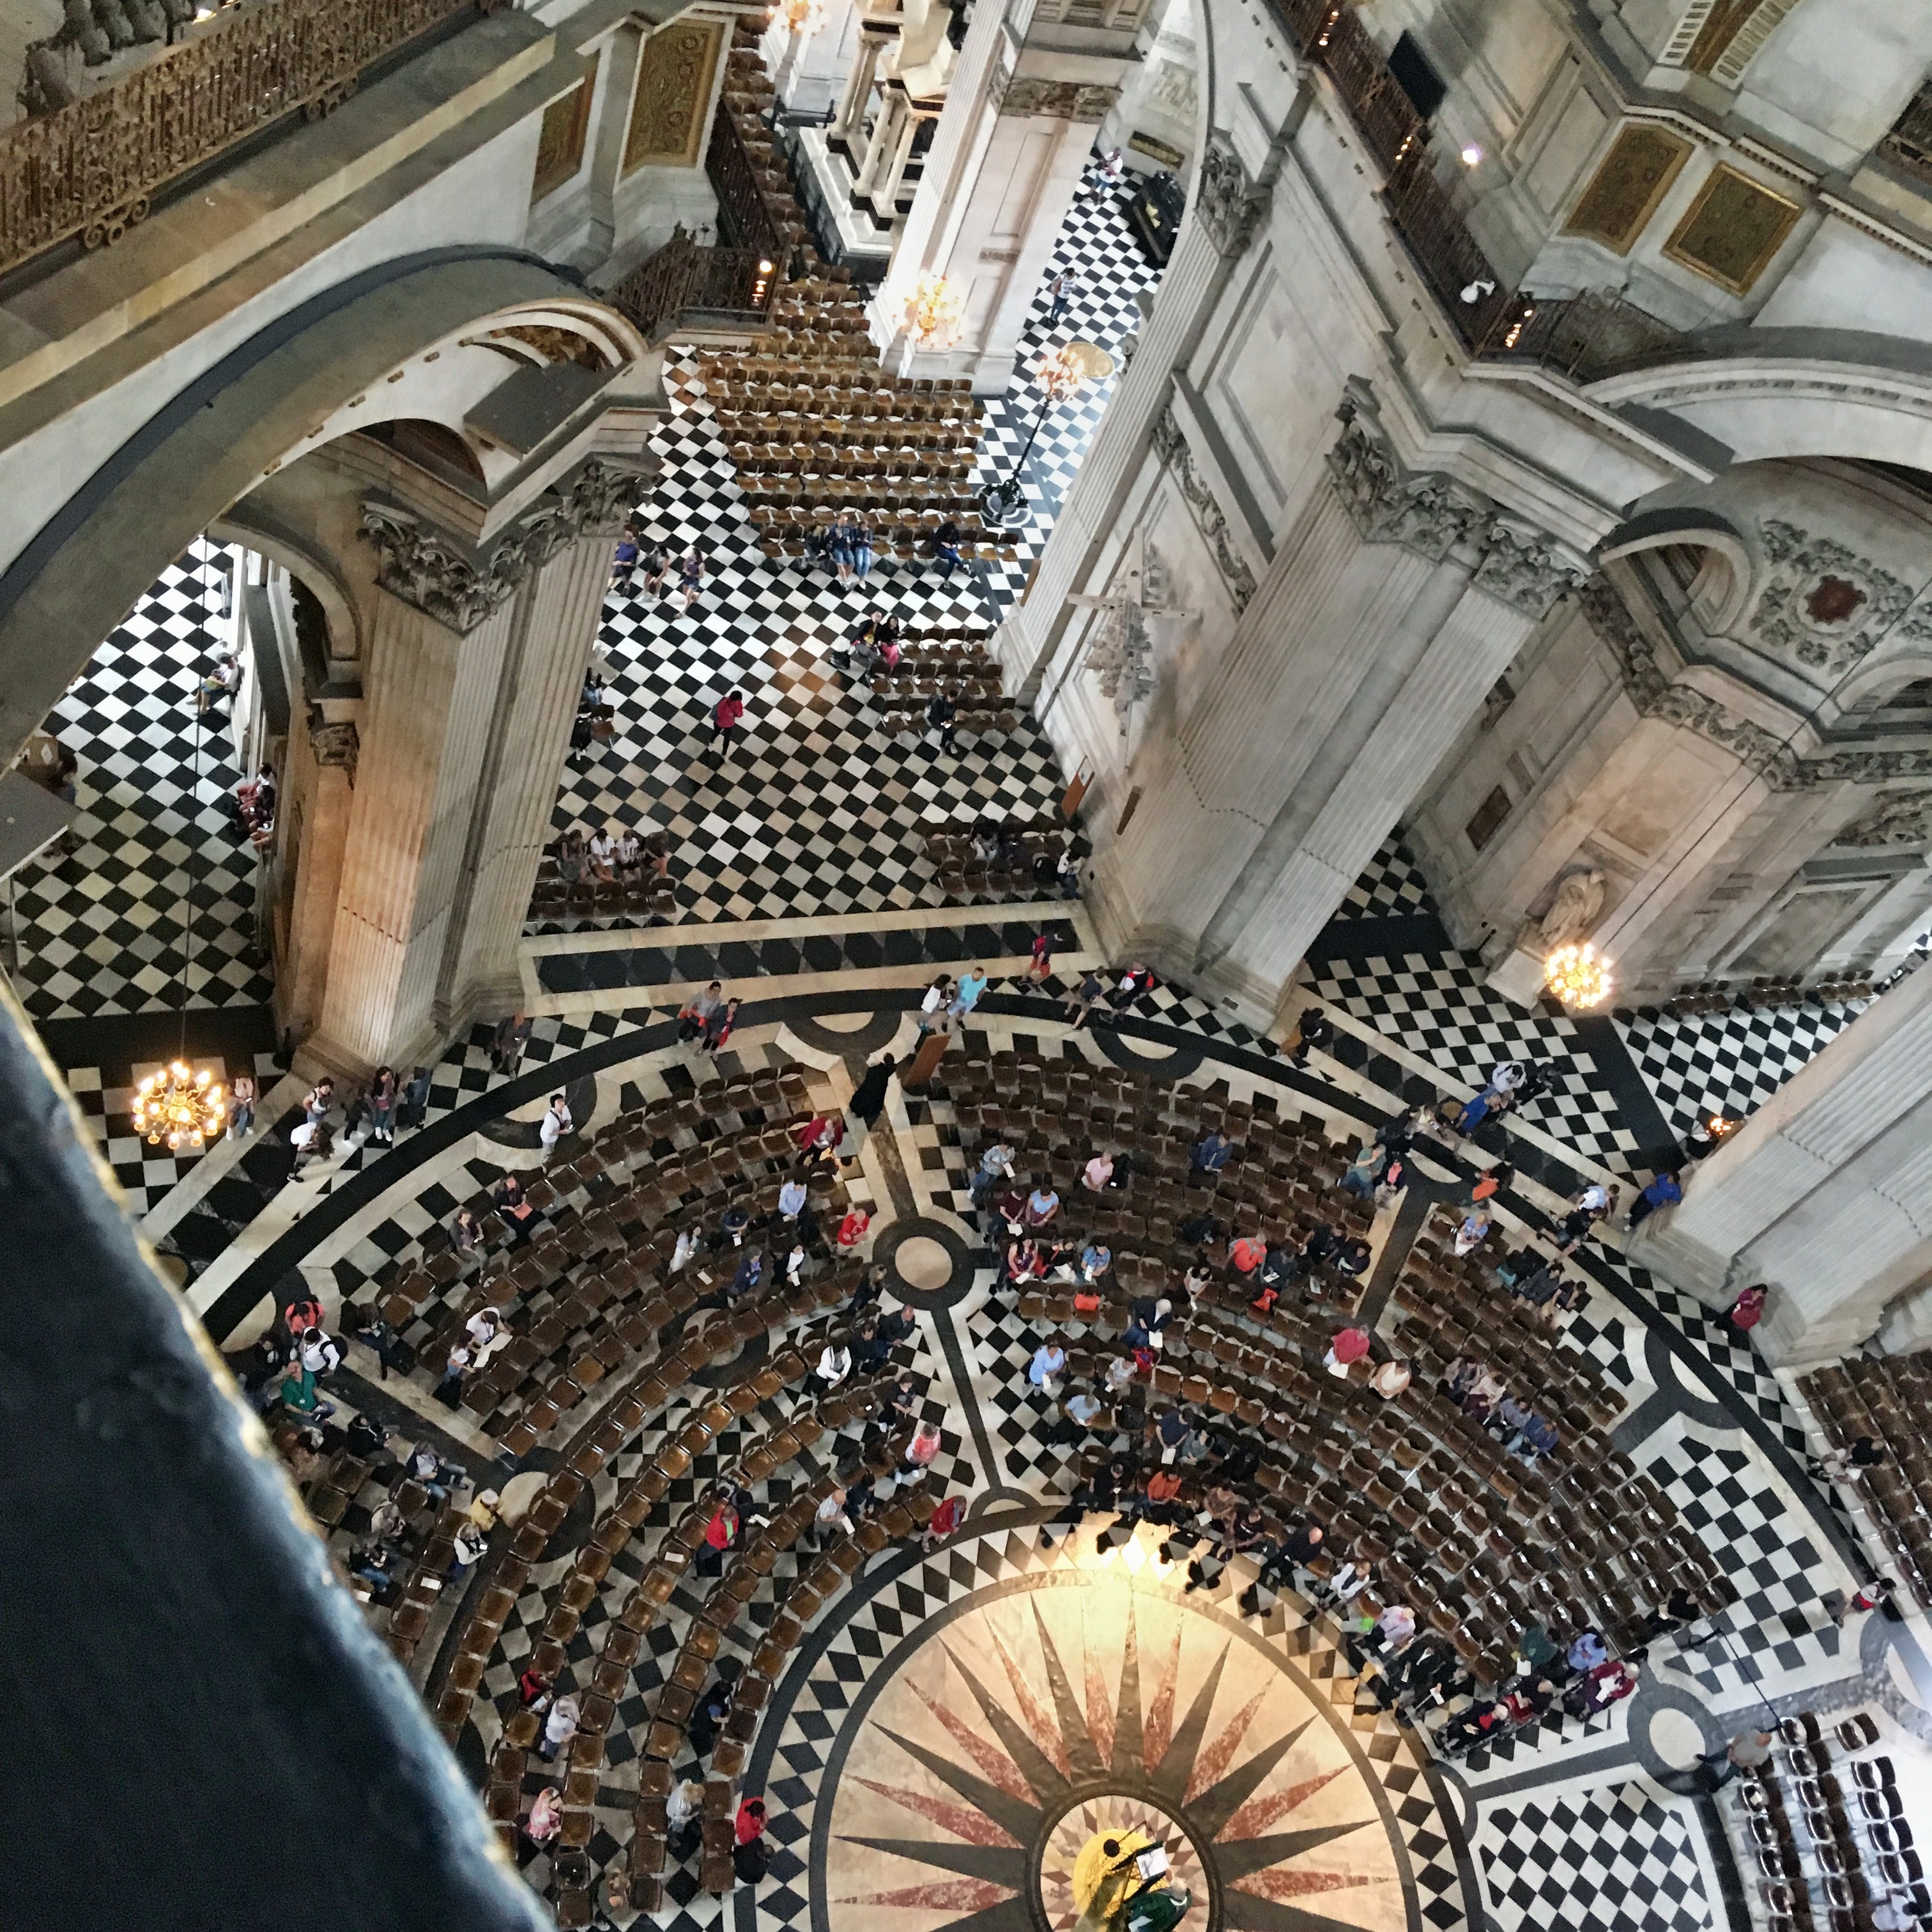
1128, 1823
971, 1773
922, 1263
845, 1022
1676, 1738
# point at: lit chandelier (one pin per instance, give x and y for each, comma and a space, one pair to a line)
181, 1104
1577, 976
933, 311
803, 18
1063, 370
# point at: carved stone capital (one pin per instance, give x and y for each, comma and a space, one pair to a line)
1895, 818
1424, 511
441, 577
1231, 206
1521, 568
1171, 445
431, 572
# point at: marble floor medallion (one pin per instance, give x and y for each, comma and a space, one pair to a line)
1040, 1711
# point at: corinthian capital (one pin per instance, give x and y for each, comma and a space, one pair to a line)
436, 575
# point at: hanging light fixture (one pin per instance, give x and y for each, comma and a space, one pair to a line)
183, 1105
1576, 976
803, 18
933, 311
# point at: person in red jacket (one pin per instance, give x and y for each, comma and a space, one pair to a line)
724, 720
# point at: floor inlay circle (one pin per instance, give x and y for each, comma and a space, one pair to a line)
922, 1263
1094, 1845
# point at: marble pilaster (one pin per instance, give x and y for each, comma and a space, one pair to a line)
1825, 1193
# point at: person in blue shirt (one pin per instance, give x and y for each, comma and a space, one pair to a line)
1044, 1371
966, 997
1664, 1192
1096, 1259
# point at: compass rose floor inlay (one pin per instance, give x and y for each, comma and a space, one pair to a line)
987, 1750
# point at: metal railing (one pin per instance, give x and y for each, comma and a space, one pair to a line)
729, 285
746, 214
92, 168
1908, 144
1586, 336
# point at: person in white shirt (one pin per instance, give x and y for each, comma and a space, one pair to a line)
629, 855
603, 855
831, 1520
932, 1009
688, 1245
1099, 1171
1593, 1199
795, 1264
834, 1366
556, 1123
791, 1199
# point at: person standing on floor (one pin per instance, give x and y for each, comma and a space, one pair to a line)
415, 1098
731, 708
941, 715
556, 1123
720, 1028
691, 575
1041, 966
933, 1013
507, 1044
242, 1100
869, 1097
966, 995
695, 1016
1747, 1751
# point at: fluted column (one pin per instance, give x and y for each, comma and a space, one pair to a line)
430, 694
894, 112
555, 629
474, 664
1825, 1193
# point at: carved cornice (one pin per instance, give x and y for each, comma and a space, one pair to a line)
1231, 206
437, 574
1171, 446
1761, 752
339, 745
1432, 515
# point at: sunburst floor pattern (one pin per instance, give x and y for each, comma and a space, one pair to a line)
1033, 1713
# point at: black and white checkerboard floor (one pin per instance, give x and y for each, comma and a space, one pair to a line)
1391, 883
1727, 1063
100, 929
1618, 1858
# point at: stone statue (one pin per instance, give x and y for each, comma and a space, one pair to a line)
1573, 911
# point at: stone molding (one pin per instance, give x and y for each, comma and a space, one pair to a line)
1761, 752
1902, 818
1231, 206
1171, 446
340, 745
1432, 515
442, 577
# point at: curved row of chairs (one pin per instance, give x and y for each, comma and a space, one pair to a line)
1888, 1398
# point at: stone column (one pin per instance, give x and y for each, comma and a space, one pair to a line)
1001, 173
848, 122
1382, 620
558, 610
475, 665
430, 694
885, 193
895, 113
1230, 206
1825, 1193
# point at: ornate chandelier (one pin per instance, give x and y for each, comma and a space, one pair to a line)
933, 311
1577, 976
1063, 370
182, 1105
803, 18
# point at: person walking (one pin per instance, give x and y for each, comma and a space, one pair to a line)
935, 1015
869, 1097
415, 1098
556, 1123
941, 715
691, 576
507, 1043
720, 1028
1747, 1751
1044, 1371
1041, 965
724, 719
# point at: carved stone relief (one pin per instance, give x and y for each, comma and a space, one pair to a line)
1171, 445
1897, 818
1173, 91
1057, 99
340, 745
1655, 696
1231, 205
1432, 514
1823, 605
673, 89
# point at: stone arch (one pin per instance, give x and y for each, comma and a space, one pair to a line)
245, 523
190, 462
1723, 586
